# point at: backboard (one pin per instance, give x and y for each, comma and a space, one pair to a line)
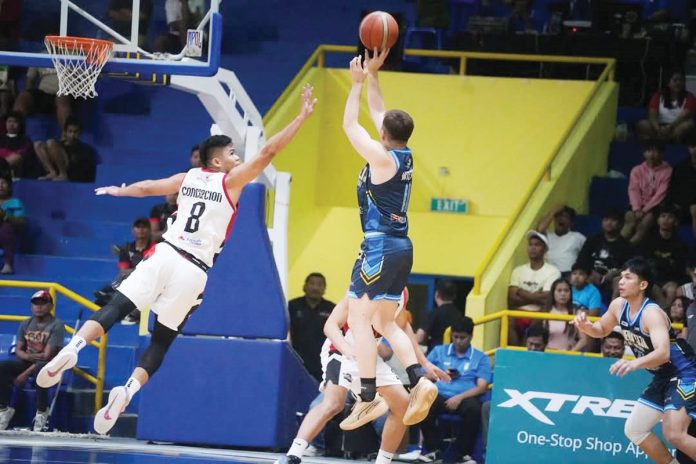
130, 56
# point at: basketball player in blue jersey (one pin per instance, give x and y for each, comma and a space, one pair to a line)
171, 280
386, 254
647, 330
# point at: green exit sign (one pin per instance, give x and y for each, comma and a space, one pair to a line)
449, 205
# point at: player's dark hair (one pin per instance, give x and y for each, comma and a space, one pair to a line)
71, 121
315, 274
209, 145
398, 125
463, 325
537, 329
616, 335
446, 289
642, 268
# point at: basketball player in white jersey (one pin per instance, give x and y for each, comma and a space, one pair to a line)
171, 280
341, 375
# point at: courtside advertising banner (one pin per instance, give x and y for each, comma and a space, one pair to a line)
553, 408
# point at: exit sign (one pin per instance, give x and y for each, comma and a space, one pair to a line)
449, 205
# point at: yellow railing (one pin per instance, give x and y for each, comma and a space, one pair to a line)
317, 58
53, 289
505, 315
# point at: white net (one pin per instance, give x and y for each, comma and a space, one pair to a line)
78, 62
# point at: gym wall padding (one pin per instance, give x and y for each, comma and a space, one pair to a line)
231, 392
243, 297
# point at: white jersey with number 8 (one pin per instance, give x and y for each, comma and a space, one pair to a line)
204, 217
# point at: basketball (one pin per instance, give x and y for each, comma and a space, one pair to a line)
379, 30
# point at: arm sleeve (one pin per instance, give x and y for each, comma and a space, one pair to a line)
515, 277
595, 298
634, 190
661, 191
434, 355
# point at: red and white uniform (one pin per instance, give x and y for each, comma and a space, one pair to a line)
343, 371
171, 281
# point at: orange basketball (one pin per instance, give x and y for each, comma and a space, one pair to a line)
378, 30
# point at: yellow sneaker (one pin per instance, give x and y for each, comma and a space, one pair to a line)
363, 413
422, 397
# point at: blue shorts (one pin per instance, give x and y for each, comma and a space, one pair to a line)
682, 394
382, 268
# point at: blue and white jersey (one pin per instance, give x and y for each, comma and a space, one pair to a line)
383, 207
682, 361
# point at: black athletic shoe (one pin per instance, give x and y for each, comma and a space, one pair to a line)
288, 460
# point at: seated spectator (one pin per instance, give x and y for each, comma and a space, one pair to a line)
39, 339
667, 254
121, 16
530, 283
689, 331
562, 335
677, 311
670, 113
647, 188
129, 256
15, 147
613, 345
470, 370
564, 243
308, 314
196, 157
67, 159
444, 315
537, 337
605, 253
682, 187
40, 96
160, 214
585, 295
12, 220
689, 289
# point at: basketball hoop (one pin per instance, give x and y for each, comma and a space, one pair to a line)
78, 62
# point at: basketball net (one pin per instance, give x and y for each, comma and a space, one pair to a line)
78, 62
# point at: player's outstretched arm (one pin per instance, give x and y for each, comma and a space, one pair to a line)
248, 171
656, 323
144, 188
333, 325
602, 327
371, 150
375, 102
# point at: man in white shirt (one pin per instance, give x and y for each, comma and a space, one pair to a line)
564, 243
530, 284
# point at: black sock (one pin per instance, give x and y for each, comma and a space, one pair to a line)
368, 388
415, 372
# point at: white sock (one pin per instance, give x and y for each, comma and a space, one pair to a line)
76, 343
298, 447
383, 457
132, 387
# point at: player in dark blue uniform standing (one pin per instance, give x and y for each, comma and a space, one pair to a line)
386, 254
671, 396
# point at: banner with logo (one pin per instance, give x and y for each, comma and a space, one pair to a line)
551, 408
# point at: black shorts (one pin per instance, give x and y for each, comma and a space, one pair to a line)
655, 394
382, 268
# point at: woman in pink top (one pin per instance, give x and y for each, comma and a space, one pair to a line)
670, 112
562, 335
647, 188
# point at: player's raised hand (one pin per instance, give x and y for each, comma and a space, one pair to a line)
112, 190
372, 65
582, 323
622, 367
307, 101
357, 72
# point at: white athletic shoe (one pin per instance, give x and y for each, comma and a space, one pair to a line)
106, 417
313, 451
422, 396
5, 417
364, 412
51, 372
40, 421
